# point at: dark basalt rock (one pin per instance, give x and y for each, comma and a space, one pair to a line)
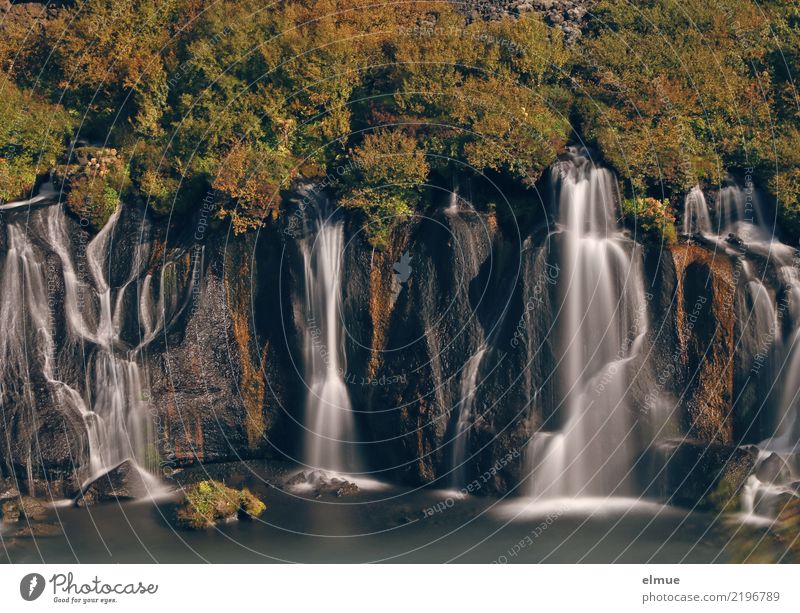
323, 484
703, 476
568, 15
225, 378
123, 482
27, 12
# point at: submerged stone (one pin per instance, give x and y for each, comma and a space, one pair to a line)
23, 508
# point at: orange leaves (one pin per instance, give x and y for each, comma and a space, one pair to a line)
252, 178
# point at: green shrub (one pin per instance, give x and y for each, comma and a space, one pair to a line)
669, 93
32, 138
249, 505
387, 184
785, 186
651, 219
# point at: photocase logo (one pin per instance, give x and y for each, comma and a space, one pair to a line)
31, 586
403, 270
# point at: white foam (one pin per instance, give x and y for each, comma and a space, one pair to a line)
533, 508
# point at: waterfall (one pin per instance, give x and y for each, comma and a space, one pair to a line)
329, 425
108, 391
45, 195
740, 212
599, 328
696, 219
452, 207
466, 404
786, 437
116, 409
776, 468
774, 360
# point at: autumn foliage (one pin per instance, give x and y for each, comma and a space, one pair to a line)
247, 98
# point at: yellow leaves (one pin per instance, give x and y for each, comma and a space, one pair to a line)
391, 157
527, 46
390, 170
513, 127
651, 218
680, 88
252, 177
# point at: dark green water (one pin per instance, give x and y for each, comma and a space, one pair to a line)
384, 524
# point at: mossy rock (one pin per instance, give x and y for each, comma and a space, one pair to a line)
250, 506
209, 502
23, 507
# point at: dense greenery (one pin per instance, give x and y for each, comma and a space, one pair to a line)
32, 137
652, 219
244, 98
388, 167
680, 92
95, 183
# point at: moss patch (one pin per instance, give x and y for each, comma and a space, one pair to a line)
208, 502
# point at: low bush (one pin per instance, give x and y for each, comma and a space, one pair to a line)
651, 220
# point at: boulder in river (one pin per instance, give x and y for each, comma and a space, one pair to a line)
322, 483
123, 482
25, 508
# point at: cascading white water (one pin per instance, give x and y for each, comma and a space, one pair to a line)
765, 489
787, 424
25, 309
696, 219
452, 203
116, 408
740, 212
330, 430
47, 191
600, 327
465, 407
111, 398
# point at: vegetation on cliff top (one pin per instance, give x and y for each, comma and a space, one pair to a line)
245, 98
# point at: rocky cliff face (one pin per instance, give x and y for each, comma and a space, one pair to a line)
174, 350
501, 294
456, 309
